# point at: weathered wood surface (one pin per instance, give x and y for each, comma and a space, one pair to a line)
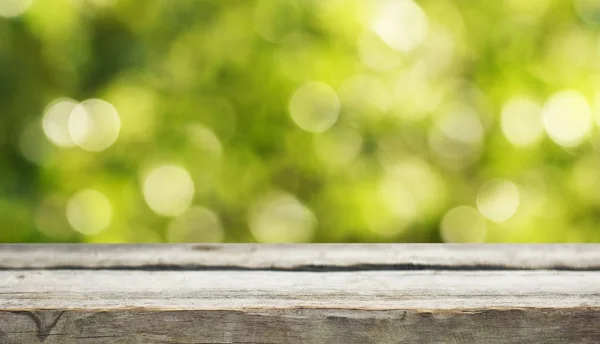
299, 294
303, 257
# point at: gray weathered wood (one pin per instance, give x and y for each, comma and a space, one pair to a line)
369, 256
299, 294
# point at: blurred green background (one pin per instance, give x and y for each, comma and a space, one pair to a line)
299, 121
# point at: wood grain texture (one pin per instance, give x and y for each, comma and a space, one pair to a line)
131, 326
299, 294
307, 257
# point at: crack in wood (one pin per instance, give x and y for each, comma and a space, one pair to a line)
41, 320
306, 268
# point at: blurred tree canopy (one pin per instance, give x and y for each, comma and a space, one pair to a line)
299, 121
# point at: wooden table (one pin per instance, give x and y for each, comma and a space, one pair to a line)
299, 294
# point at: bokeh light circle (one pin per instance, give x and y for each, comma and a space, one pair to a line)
402, 24
197, 224
315, 107
338, 147
94, 125
281, 218
410, 189
168, 190
463, 225
89, 211
521, 122
461, 124
498, 200
55, 122
567, 118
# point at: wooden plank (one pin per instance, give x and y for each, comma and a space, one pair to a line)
64, 289
307, 257
131, 326
266, 294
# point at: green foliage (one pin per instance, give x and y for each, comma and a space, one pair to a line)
300, 120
